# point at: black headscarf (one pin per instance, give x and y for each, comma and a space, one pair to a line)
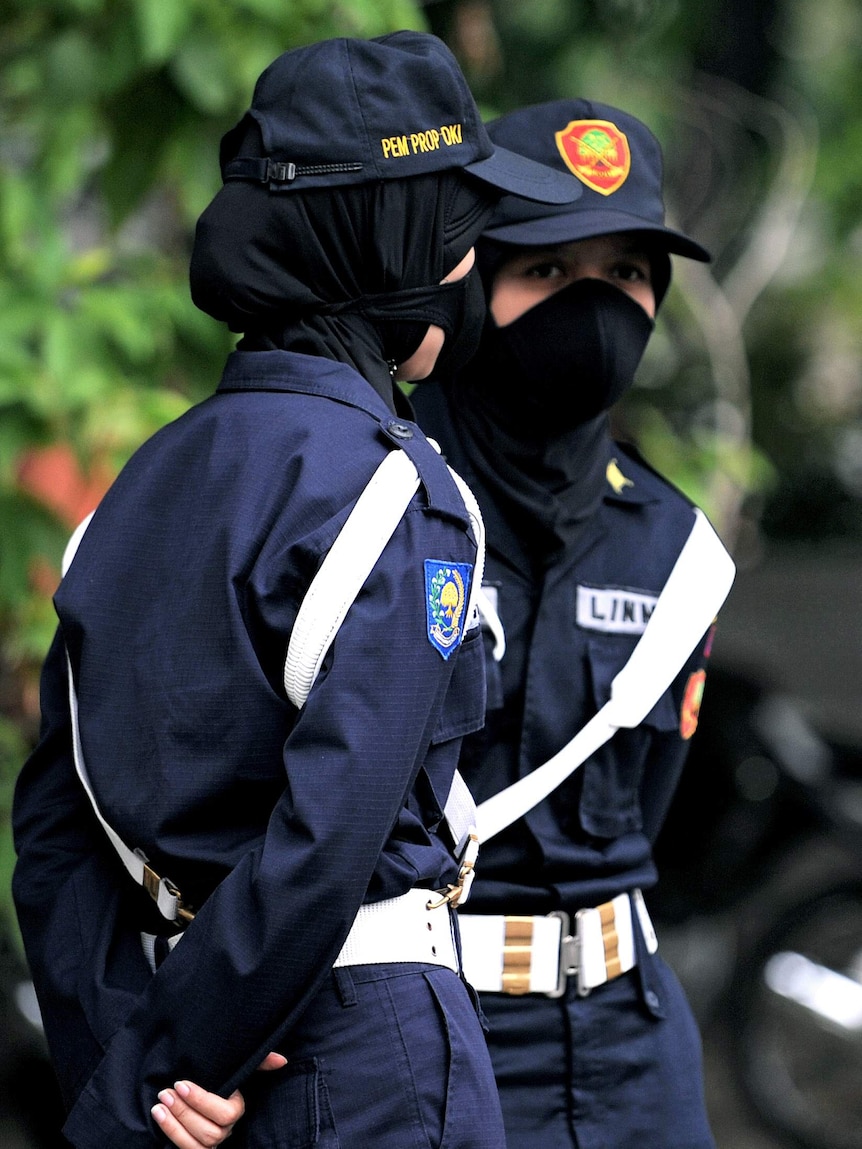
351, 274
531, 408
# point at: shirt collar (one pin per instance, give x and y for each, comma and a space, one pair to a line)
291, 371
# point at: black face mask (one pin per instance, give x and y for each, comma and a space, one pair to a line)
457, 308
462, 340
567, 359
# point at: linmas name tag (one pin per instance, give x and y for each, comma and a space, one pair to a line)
614, 611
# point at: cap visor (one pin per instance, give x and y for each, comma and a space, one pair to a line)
525, 178
565, 227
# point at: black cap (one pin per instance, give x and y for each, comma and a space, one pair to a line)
610, 154
349, 111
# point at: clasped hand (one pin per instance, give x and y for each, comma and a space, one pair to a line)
192, 1118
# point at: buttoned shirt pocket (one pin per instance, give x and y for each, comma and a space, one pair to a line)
464, 705
610, 791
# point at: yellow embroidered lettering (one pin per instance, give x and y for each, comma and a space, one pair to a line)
451, 134
394, 146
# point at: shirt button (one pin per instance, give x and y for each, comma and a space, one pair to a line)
652, 999
400, 430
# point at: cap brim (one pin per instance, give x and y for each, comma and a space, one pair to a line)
525, 178
565, 227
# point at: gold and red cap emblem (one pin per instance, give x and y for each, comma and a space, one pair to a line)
597, 152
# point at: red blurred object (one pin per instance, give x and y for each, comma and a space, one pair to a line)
54, 477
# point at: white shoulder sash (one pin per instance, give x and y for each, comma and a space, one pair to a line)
690, 599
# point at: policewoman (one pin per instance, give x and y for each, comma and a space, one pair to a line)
592, 1041
300, 840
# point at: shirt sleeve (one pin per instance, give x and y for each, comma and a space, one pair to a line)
262, 943
669, 750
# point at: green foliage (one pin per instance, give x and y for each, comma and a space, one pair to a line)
754, 390
12, 749
110, 117
111, 113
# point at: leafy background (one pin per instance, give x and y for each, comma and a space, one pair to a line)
110, 116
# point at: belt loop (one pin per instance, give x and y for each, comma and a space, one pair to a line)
345, 986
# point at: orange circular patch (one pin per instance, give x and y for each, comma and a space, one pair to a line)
597, 152
691, 701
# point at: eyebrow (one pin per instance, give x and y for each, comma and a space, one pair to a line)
634, 247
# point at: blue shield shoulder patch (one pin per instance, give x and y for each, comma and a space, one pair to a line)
446, 588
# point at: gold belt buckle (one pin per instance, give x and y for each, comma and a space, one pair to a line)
454, 893
152, 883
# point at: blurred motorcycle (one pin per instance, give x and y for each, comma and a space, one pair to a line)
761, 898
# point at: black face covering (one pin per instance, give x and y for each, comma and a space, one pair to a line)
457, 308
351, 274
570, 357
530, 410
462, 341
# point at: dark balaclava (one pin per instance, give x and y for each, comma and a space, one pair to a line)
532, 404
531, 409
358, 178
349, 273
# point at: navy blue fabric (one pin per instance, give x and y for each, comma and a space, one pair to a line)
589, 1072
600, 1072
636, 203
346, 111
276, 825
393, 1056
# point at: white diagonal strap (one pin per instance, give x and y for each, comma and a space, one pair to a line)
489, 616
690, 599
478, 525
349, 562
163, 892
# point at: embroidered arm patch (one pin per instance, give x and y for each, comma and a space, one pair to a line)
446, 588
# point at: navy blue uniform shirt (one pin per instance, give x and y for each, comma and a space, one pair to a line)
276, 825
568, 633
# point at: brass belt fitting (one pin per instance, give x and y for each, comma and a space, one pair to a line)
517, 955
610, 939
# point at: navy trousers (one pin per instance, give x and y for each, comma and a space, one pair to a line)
386, 1057
619, 1068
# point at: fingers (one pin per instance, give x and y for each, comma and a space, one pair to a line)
273, 1061
192, 1118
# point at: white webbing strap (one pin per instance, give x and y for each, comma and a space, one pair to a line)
690, 599
350, 560
163, 892
490, 618
478, 525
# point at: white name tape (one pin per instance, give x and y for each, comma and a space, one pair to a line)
614, 611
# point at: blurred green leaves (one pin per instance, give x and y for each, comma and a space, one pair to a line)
111, 112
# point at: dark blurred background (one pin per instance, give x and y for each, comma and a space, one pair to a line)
750, 399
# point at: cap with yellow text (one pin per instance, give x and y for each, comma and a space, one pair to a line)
349, 111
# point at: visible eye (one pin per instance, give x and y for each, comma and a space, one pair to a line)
546, 269
632, 271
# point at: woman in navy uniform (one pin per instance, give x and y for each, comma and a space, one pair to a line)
582, 536
307, 843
